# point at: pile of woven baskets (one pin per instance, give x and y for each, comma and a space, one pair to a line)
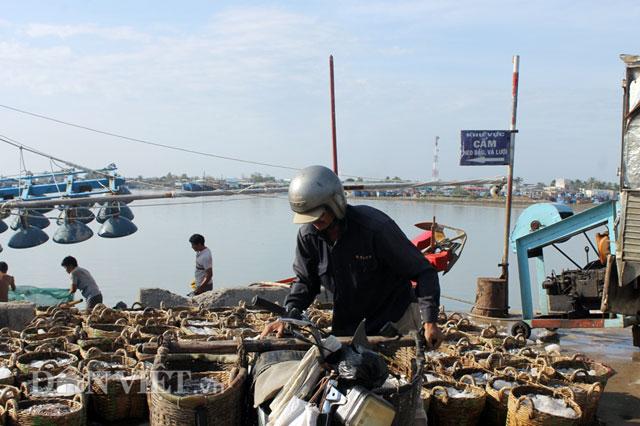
68, 366
480, 376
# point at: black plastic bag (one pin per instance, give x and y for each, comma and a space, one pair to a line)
358, 366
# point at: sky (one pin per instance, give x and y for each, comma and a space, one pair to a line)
250, 80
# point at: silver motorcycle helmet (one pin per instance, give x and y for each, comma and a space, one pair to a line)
312, 191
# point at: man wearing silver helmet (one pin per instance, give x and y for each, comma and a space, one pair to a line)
362, 257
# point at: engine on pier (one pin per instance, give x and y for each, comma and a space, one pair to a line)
576, 291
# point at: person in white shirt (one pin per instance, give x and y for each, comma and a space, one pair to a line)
204, 265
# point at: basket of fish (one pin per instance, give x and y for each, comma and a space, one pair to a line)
455, 404
585, 371
586, 395
531, 405
116, 393
187, 387
45, 412
52, 361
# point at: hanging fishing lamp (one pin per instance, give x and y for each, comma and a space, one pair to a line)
112, 210
27, 235
36, 219
116, 227
80, 214
72, 230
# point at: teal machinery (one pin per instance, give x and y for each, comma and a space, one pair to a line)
604, 292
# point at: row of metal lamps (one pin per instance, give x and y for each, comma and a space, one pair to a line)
115, 217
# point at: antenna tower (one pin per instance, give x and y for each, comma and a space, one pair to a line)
435, 174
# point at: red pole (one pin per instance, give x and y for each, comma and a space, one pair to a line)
333, 116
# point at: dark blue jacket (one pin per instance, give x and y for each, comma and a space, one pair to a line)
368, 270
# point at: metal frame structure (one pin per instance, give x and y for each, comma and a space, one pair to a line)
603, 214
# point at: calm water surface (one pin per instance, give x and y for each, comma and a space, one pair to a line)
252, 239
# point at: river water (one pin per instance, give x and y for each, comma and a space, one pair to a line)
252, 239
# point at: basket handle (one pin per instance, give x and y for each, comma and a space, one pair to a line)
77, 398
489, 332
508, 340
492, 356
457, 366
533, 407
527, 352
566, 392
123, 353
121, 321
575, 374
501, 393
151, 321
141, 305
463, 322
594, 388
464, 341
445, 397
49, 364
455, 315
45, 347
541, 362
93, 352
4, 394
510, 371
11, 405
469, 377
578, 357
520, 339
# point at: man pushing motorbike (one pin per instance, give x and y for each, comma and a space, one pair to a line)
361, 256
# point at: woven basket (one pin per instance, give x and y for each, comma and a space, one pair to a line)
113, 397
521, 412
587, 396
221, 408
446, 365
16, 415
446, 411
495, 409
100, 343
107, 331
120, 356
23, 361
31, 335
582, 371
466, 376
158, 316
489, 360
155, 330
59, 344
50, 383
402, 364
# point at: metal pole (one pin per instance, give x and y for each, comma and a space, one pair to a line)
625, 111
512, 127
333, 116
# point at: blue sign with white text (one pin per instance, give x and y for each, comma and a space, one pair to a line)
485, 147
